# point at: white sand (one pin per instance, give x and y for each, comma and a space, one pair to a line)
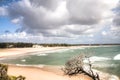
21, 51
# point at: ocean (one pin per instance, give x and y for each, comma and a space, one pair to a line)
104, 58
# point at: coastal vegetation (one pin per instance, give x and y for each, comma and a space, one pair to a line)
5, 76
15, 45
23, 45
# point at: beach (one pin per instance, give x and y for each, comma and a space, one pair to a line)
37, 73
44, 72
22, 51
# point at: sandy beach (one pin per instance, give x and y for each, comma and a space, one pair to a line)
35, 73
21, 51
42, 72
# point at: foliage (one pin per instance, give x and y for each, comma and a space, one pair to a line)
21, 45
4, 76
15, 45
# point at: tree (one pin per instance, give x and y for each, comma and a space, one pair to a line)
76, 65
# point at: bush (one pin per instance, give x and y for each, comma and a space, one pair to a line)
4, 76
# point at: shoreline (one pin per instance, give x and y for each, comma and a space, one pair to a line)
33, 72
24, 51
7, 52
54, 72
41, 71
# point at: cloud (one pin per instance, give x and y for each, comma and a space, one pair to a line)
19, 37
63, 19
89, 12
115, 28
16, 20
7, 32
116, 19
104, 33
39, 16
3, 11
49, 4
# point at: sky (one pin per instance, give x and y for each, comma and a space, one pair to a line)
60, 21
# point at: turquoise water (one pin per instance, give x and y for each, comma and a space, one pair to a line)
106, 59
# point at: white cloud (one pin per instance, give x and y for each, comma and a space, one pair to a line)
104, 33
19, 37
16, 20
40, 16
90, 11
3, 11
91, 35
62, 19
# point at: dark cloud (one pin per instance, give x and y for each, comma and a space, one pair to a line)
116, 19
49, 4
7, 31
116, 22
19, 30
85, 12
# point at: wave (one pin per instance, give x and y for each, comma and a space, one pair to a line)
104, 65
96, 58
26, 65
63, 50
2, 58
106, 76
42, 54
113, 77
117, 57
23, 60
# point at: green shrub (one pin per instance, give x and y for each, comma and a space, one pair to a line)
4, 76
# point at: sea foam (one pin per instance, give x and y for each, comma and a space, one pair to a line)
42, 54
23, 60
96, 58
113, 77
117, 57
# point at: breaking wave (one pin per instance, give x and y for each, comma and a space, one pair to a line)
42, 54
96, 58
23, 60
117, 57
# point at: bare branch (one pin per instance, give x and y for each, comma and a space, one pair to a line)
76, 65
